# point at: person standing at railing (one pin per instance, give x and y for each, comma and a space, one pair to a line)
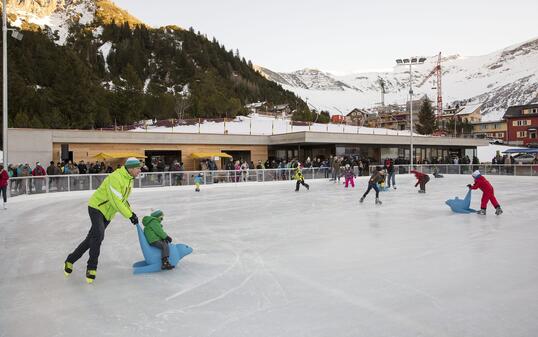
4, 178
110, 198
244, 171
488, 194
389, 168
37, 172
259, 170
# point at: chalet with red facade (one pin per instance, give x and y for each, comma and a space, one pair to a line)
522, 124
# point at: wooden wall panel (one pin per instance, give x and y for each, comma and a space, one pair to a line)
87, 152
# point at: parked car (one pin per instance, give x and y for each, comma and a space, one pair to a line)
495, 141
524, 158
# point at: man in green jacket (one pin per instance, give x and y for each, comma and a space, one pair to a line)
109, 199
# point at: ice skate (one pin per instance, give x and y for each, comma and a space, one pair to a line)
481, 212
378, 202
68, 268
4, 205
90, 275
361, 200
421, 191
166, 264
394, 186
498, 210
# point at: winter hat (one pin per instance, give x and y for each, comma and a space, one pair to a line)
347, 166
132, 162
476, 174
157, 213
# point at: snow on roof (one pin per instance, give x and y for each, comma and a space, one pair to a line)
469, 109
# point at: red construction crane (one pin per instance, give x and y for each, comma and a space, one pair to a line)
437, 71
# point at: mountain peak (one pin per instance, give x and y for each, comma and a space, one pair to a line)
58, 16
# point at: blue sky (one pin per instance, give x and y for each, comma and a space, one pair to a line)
347, 36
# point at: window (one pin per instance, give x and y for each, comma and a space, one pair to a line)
522, 134
532, 134
523, 122
500, 134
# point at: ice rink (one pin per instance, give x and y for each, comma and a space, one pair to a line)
268, 261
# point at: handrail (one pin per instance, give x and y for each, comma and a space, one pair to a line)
84, 182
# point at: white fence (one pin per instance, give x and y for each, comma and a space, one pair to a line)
486, 169
83, 182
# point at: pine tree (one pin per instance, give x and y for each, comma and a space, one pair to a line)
426, 119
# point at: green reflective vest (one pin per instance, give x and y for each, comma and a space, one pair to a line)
111, 196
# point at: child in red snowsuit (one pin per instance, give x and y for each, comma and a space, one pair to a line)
480, 182
422, 179
349, 175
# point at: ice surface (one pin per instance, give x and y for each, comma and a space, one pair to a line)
269, 261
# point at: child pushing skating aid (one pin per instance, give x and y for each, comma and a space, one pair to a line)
480, 182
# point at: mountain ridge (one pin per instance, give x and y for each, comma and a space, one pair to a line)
504, 77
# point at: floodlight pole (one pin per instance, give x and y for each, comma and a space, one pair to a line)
411, 110
4, 84
411, 61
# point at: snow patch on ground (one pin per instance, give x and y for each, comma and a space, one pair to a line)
104, 50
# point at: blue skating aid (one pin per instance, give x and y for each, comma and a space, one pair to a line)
152, 255
383, 188
461, 205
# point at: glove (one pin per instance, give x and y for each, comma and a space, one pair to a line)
134, 219
469, 185
168, 239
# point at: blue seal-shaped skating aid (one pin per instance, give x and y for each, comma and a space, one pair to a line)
152, 255
461, 205
385, 188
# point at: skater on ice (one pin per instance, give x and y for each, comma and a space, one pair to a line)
436, 173
349, 176
422, 180
300, 178
376, 178
157, 237
198, 181
480, 182
109, 199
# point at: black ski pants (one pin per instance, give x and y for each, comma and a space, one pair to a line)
300, 182
93, 239
370, 186
3, 191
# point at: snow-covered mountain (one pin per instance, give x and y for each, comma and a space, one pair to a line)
58, 16
498, 80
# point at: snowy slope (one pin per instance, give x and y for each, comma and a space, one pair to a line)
498, 80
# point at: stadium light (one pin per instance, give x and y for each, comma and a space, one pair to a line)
411, 62
17, 35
